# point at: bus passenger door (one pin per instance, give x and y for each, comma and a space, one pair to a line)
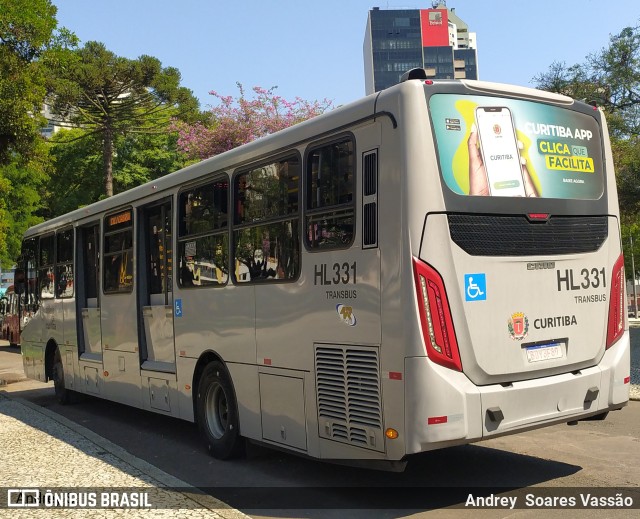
87, 295
156, 281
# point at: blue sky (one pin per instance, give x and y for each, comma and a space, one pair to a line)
314, 49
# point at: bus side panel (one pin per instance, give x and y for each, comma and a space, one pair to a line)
246, 386
121, 358
394, 242
33, 360
221, 320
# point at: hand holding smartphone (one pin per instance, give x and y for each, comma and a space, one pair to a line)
499, 151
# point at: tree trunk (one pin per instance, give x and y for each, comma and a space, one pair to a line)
107, 161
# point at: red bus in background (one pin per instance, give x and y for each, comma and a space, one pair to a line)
15, 311
10, 317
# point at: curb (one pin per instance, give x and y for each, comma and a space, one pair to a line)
164, 479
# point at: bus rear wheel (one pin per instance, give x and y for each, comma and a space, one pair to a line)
217, 412
64, 395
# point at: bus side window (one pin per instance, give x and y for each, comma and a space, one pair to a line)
266, 243
330, 195
45, 267
118, 252
64, 264
203, 241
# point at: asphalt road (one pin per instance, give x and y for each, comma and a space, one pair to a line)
268, 483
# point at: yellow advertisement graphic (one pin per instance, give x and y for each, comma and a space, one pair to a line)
571, 163
560, 156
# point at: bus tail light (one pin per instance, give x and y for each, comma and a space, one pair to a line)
435, 317
615, 325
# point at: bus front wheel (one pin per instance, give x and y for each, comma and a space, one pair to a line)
217, 412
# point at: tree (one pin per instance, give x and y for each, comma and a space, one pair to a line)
111, 97
31, 47
237, 121
76, 171
21, 185
611, 79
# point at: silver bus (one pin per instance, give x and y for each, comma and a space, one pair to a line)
435, 264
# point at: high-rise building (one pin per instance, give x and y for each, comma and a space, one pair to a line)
397, 40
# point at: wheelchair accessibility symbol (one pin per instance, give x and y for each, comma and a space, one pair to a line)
475, 287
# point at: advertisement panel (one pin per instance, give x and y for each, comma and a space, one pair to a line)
435, 27
489, 146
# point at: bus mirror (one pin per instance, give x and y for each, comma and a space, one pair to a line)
18, 281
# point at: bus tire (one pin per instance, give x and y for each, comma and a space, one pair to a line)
217, 412
63, 395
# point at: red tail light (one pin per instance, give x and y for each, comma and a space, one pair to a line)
435, 317
615, 325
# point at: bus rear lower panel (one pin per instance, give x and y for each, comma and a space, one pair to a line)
444, 408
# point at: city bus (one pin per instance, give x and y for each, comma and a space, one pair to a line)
436, 264
15, 312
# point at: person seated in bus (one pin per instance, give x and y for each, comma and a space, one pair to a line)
189, 277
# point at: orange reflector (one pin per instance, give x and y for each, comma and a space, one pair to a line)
267, 362
392, 434
106, 373
187, 387
434, 420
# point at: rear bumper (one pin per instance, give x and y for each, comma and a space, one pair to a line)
444, 408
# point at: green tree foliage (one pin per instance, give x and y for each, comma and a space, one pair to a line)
610, 78
26, 28
112, 97
77, 172
31, 48
21, 185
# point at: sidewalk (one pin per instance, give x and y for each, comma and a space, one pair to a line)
42, 450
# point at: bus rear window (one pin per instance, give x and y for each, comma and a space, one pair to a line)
490, 146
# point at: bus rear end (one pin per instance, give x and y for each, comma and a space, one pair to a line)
518, 274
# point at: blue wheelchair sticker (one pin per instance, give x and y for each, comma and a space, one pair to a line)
177, 307
475, 287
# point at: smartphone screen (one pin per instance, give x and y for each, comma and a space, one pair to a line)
499, 150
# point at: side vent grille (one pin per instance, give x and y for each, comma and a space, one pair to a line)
349, 401
370, 199
370, 224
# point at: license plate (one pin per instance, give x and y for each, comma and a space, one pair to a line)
548, 351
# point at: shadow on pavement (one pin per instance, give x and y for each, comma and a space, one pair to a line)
269, 480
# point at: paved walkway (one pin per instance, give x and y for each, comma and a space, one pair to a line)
42, 450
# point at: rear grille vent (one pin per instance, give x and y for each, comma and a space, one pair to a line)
504, 235
348, 388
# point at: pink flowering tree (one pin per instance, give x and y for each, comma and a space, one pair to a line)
236, 121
